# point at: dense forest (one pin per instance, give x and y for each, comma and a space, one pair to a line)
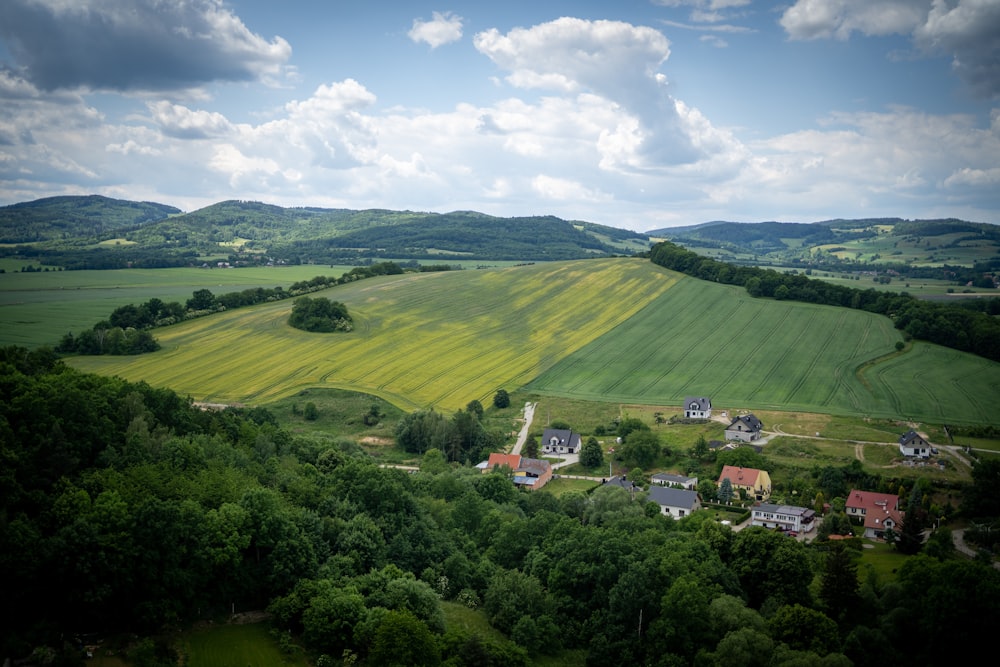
972, 329
126, 508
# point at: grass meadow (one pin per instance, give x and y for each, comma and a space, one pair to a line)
247, 645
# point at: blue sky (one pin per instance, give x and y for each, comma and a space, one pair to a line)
632, 113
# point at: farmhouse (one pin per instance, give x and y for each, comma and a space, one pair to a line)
788, 518
745, 428
877, 511
560, 441
697, 407
528, 473
666, 479
912, 444
676, 503
753, 483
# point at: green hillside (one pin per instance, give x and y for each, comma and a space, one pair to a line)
75, 219
705, 339
918, 248
609, 330
101, 233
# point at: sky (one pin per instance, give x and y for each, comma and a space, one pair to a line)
640, 114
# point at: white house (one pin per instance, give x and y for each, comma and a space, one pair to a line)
560, 441
783, 517
912, 444
676, 503
697, 407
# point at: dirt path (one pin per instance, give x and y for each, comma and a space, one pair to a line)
859, 452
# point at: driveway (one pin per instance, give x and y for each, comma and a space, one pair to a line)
522, 436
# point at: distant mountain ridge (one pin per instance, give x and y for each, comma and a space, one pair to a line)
245, 229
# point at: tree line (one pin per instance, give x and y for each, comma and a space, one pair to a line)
127, 329
953, 326
124, 507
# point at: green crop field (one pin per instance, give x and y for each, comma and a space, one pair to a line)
38, 308
434, 339
609, 330
706, 339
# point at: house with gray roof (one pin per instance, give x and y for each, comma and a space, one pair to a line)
745, 428
560, 441
697, 407
676, 503
788, 518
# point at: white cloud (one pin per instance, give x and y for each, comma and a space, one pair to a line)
811, 19
616, 61
135, 44
967, 30
551, 187
443, 29
178, 121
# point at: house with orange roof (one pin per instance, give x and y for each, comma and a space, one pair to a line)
528, 473
755, 484
878, 512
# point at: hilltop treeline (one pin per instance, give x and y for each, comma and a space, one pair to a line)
126, 508
954, 326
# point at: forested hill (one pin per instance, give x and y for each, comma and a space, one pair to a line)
71, 233
840, 244
68, 218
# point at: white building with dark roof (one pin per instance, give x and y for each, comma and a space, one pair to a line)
697, 407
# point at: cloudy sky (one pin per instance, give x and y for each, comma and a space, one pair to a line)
633, 113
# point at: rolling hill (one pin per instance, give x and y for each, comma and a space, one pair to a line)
932, 247
607, 329
96, 232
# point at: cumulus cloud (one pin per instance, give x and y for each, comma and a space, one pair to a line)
970, 32
614, 60
966, 30
178, 121
127, 45
443, 29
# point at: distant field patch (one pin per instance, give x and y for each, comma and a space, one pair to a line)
432, 339
38, 308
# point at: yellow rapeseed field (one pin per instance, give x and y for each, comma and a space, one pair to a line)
420, 340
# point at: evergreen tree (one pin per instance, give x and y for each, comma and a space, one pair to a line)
839, 583
591, 454
725, 493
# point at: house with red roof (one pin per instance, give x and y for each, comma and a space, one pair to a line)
877, 511
528, 473
755, 484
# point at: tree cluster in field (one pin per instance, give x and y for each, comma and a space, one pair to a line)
127, 509
319, 315
949, 325
126, 331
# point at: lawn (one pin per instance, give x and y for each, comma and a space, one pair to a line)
882, 558
248, 645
